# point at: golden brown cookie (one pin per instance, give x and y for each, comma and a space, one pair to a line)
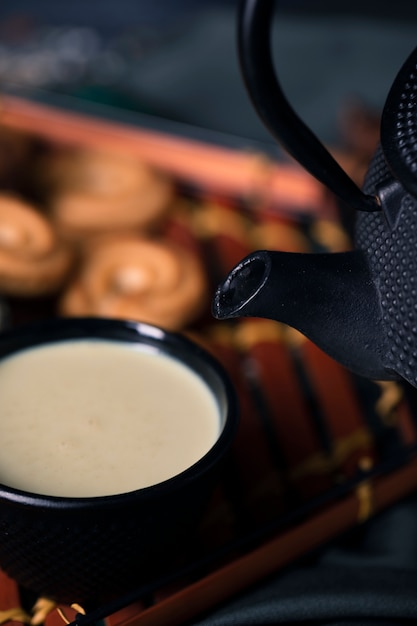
141, 279
33, 260
94, 192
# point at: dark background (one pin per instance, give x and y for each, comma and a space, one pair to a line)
173, 64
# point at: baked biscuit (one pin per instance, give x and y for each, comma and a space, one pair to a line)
147, 280
33, 260
95, 192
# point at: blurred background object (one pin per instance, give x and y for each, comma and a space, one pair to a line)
174, 64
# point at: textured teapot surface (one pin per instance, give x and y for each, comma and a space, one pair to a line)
392, 256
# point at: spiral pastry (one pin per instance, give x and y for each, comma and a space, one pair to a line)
130, 277
95, 192
33, 261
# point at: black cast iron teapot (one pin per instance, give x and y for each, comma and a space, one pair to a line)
358, 306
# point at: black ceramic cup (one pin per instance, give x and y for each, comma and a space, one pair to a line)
90, 549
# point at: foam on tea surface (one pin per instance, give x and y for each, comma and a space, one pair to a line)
95, 417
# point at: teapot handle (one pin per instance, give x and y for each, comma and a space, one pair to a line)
254, 24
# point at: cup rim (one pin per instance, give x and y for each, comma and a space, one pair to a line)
174, 344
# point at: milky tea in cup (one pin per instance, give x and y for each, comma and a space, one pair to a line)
94, 417
113, 436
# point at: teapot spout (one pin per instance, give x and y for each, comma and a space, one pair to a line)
330, 298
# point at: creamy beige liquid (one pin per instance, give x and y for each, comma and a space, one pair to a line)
91, 417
